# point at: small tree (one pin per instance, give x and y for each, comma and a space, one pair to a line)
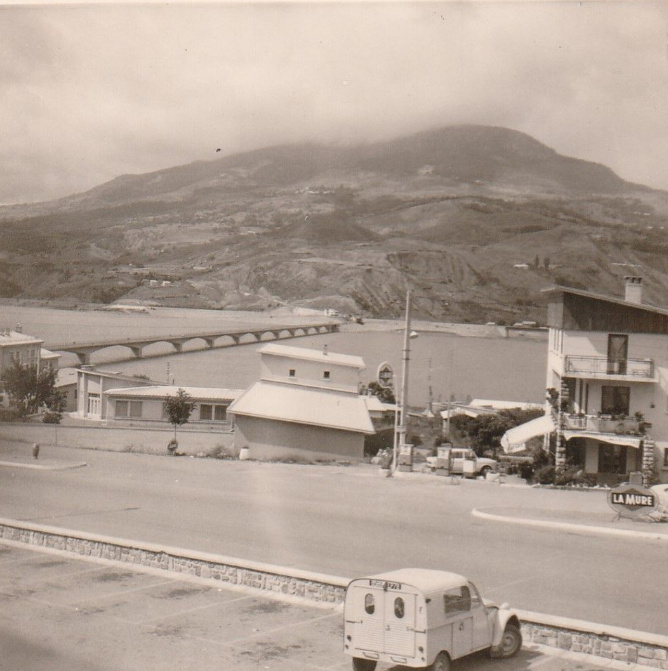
29, 388
178, 408
385, 394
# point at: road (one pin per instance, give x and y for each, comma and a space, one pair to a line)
348, 522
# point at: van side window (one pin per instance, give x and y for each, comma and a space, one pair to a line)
369, 604
399, 607
457, 600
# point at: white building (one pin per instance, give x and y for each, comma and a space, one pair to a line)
306, 403
608, 369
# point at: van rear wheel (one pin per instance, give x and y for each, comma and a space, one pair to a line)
442, 662
360, 664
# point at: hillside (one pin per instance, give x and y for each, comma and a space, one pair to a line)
476, 220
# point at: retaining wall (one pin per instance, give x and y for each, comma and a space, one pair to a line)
118, 438
597, 640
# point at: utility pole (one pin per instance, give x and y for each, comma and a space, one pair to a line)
400, 421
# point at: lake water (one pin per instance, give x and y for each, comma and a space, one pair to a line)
454, 366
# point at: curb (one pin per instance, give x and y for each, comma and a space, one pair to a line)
582, 529
44, 467
606, 643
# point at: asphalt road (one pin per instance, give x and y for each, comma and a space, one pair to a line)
349, 522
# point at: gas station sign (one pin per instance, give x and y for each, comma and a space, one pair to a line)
385, 375
632, 500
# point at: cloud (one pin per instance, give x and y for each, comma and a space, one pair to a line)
91, 92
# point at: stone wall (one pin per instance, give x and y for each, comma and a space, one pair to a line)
611, 643
265, 577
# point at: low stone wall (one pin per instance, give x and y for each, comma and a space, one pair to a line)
612, 643
147, 440
599, 641
266, 577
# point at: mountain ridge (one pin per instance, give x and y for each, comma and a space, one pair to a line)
474, 219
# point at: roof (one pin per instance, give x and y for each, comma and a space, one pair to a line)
424, 579
118, 375
48, 354
560, 291
313, 355
301, 405
9, 337
374, 404
162, 391
504, 405
66, 376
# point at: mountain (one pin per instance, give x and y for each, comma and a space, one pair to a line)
475, 219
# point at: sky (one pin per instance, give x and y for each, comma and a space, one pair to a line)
91, 92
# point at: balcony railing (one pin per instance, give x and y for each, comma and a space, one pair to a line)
604, 424
599, 366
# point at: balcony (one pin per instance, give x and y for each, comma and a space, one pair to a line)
605, 424
601, 367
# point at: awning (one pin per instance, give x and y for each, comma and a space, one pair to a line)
514, 439
613, 439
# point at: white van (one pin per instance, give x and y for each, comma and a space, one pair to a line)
423, 618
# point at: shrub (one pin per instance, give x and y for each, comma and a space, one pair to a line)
545, 475
9, 415
51, 417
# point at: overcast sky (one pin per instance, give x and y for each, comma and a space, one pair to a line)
92, 92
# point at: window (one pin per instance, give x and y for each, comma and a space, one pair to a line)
615, 400
399, 608
476, 599
665, 457
132, 409
327, 375
457, 600
215, 413
292, 372
369, 604
618, 347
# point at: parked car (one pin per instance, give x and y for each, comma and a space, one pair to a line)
661, 493
422, 618
463, 461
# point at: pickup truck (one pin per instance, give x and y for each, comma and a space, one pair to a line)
464, 461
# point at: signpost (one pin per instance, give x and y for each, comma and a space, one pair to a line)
632, 501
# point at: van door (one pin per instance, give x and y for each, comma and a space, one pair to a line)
482, 635
457, 605
367, 618
400, 624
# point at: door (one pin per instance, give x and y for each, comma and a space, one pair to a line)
462, 636
94, 405
618, 349
400, 624
367, 618
482, 636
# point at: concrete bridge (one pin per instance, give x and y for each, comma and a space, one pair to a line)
211, 339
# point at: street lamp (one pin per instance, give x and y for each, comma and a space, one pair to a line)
400, 413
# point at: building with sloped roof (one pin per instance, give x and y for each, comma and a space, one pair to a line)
306, 404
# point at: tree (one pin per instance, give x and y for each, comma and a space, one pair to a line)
30, 388
385, 394
178, 408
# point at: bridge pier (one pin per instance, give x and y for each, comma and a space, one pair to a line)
137, 351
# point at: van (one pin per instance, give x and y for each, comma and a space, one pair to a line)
423, 618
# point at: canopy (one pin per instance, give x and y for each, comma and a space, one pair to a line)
613, 439
514, 439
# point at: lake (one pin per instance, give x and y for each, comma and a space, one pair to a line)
458, 367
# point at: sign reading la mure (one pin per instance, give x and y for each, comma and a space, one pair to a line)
632, 500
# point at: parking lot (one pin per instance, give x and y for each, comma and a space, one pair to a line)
62, 613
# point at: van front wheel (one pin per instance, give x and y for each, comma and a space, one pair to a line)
360, 664
511, 642
442, 662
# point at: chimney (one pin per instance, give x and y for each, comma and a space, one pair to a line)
633, 291
18, 328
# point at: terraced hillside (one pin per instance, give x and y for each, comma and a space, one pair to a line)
475, 220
